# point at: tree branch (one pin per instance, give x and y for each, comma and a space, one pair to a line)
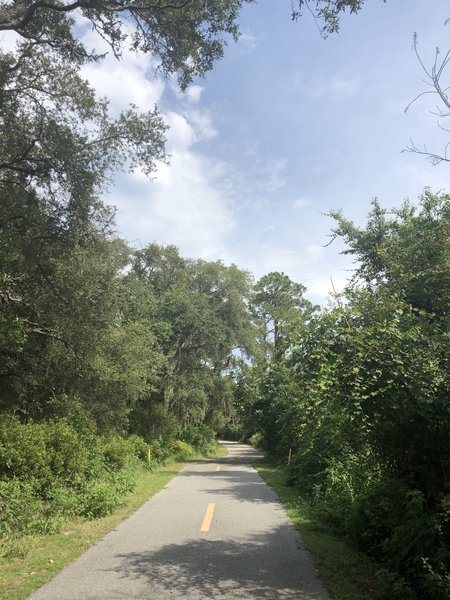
434, 81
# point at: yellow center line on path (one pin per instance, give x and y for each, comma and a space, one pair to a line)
208, 517
218, 468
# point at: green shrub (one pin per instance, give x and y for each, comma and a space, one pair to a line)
43, 452
125, 480
385, 517
139, 447
62, 501
416, 548
182, 450
377, 513
256, 440
344, 481
160, 450
116, 451
23, 450
308, 467
393, 587
98, 499
50, 471
232, 431
393, 524
68, 455
21, 511
201, 438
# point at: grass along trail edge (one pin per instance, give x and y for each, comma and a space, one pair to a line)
346, 573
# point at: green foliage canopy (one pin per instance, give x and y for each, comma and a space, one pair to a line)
188, 37
361, 397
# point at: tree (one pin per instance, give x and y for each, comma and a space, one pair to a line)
188, 37
279, 306
362, 396
406, 251
61, 287
59, 264
199, 315
66, 331
326, 13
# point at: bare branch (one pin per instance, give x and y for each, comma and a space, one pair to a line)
435, 159
417, 97
433, 80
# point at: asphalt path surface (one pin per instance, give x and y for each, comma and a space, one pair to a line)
215, 531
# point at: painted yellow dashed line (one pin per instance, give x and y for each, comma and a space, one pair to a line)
206, 524
218, 468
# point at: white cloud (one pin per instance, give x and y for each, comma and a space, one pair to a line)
319, 170
314, 252
191, 95
301, 203
8, 40
125, 81
201, 121
181, 134
271, 174
188, 203
184, 206
267, 257
248, 41
293, 261
188, 128
332, 88
194, 93
266, 229
418, 174
340, 87
322, 287
309, 264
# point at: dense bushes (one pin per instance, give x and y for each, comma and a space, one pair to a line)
52, 471
369, 426
202, 438
385, 517
362, 398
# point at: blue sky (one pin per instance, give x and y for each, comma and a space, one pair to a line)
287, 127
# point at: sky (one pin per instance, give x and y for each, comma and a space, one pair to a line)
287, 127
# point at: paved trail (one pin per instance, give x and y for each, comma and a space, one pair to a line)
215, 531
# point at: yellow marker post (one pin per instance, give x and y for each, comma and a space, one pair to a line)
208, 517
149, 454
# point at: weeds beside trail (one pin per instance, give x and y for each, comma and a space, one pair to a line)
346, 573
31, 557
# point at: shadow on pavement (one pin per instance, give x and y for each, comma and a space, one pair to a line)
208, 568
239, 453
239, 482
243, 485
